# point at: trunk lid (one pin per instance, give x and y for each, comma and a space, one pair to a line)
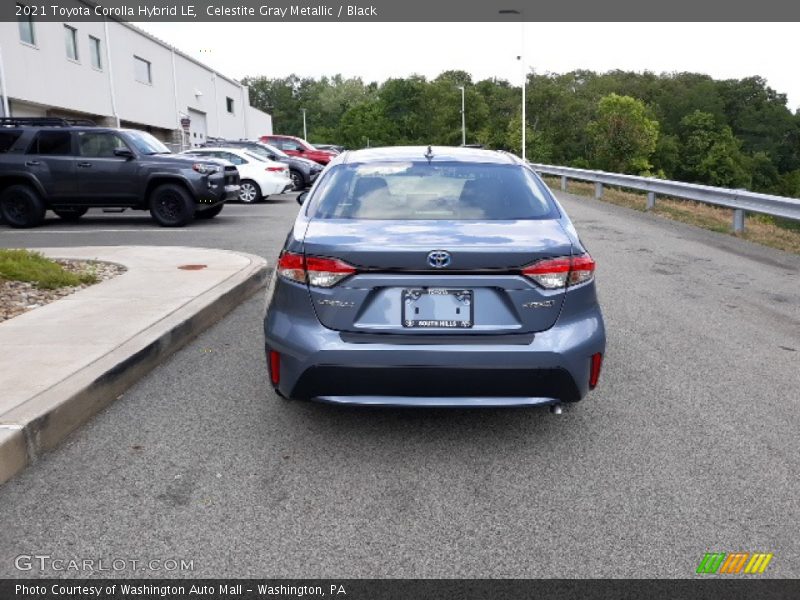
480, 290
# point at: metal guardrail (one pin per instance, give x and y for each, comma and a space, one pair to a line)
741, 201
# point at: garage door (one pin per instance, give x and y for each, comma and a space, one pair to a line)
197, 128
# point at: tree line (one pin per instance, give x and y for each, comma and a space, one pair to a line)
736, 133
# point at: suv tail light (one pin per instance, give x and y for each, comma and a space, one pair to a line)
314, 270
554, 273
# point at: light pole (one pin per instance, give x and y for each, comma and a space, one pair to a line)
305, 133
463, 119
524, 69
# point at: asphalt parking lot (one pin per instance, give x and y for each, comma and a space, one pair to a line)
688, 446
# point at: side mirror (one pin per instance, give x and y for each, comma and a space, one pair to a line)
302, 198
123, 153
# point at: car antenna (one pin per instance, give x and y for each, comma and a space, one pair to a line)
429, 153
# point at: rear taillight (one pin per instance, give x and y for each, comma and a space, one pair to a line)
274, 367
292, 266
554, 273
276, 168
594, 373
314, 270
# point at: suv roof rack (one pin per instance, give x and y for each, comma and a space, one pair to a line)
44, 122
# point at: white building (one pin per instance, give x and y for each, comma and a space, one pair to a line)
116, 74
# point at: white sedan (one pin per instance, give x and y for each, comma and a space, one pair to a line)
260, 177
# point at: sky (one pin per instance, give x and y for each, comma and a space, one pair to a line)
378, 51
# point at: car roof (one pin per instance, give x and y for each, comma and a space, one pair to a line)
418, 153
231, 149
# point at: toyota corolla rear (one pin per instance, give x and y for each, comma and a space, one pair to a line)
433, 277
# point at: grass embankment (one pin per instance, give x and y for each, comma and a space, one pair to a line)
34, 268
762, 229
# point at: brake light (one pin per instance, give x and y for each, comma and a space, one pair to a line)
594, 373
314, 270
292, 266
554, 273
327, 272
274, 367
276, 168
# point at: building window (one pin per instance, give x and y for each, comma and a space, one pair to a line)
25, 23
229, 104
94, 50
71, 39
142, 69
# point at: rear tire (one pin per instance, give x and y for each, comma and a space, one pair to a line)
298, 182
21, 206
249, 192
70, 214
171, 205
210, 213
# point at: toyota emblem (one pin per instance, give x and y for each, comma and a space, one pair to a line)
439, 259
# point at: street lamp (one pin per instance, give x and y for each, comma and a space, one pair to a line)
305, 133
463, 119
522, 61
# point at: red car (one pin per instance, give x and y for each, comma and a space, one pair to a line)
295, 146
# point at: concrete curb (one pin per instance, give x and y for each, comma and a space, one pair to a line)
48, 418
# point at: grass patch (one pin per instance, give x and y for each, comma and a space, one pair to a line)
33, 267
782, 234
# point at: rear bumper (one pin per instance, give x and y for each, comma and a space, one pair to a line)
275, 185
435, 386
477, 370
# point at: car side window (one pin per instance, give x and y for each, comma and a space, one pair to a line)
52, 143
7, 139
100, 144
235, 159
289, 145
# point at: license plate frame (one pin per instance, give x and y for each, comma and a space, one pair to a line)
422, 308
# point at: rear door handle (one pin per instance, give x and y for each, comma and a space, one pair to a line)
84, 165
32, 163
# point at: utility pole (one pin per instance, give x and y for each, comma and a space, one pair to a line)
463, 119
305, 133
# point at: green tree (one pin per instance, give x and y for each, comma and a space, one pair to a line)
623, 136
710, 153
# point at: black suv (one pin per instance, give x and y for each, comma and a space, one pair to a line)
71, 166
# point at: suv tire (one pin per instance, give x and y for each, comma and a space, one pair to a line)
70, 214
171, 205
21, 206
298, 181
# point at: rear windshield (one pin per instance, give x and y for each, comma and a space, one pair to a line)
422, 191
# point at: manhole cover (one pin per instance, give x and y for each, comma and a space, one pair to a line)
192, 267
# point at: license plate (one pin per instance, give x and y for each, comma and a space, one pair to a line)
437, 307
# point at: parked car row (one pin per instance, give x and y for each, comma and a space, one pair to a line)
70, 166
260, 177
302, 171
295, 146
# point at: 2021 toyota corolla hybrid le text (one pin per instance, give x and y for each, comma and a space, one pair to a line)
428, 276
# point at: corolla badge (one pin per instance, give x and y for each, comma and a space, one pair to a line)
439, 259
542, 304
